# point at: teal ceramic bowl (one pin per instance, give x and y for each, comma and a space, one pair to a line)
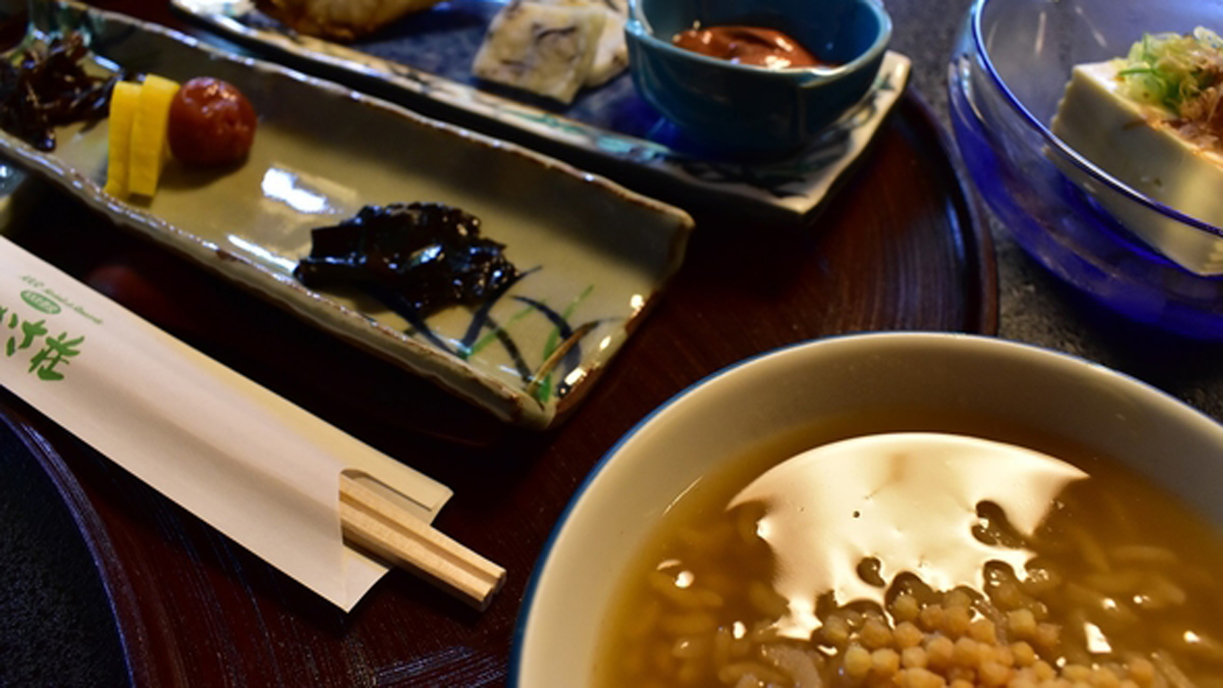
748, 111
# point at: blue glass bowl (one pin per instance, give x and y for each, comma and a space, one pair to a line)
748, 111
1008, 72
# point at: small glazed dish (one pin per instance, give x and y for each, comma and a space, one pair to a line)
744, 110
594, 257
912, 382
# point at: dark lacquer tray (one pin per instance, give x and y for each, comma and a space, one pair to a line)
53, 598
895, 249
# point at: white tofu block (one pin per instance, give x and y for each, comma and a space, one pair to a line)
618, 6
1133, 143
612, 55
543, 49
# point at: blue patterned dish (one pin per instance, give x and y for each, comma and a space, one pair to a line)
429, 56
754, 111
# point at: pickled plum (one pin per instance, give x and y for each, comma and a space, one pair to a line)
211, 123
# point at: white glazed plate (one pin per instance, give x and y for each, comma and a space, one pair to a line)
595, 255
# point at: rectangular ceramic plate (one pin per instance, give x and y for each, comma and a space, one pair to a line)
429, 55
594, 254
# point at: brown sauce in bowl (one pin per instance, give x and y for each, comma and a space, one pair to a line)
747, 45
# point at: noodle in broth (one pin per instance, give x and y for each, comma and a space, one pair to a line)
1109, 582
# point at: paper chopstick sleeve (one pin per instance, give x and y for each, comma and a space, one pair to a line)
254, 466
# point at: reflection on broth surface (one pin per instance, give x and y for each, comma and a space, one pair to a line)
901, 502
954, 562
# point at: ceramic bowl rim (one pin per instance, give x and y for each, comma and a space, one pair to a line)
1079, 161
807, 77
953, 339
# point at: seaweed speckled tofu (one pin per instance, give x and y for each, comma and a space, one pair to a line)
611, 58
543, 49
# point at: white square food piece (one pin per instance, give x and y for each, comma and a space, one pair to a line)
612, 56
544, 49
1136, 144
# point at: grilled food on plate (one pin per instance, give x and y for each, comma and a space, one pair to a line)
343, 20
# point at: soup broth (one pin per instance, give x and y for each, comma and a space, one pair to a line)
1087, 574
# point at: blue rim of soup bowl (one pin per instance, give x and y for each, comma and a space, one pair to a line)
975, 15
808, 77
1078, 363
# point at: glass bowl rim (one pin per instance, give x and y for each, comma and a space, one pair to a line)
975, 14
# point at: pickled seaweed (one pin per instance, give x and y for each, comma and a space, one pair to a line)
428, 255
47, 88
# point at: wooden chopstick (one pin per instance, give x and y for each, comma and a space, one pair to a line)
377, 524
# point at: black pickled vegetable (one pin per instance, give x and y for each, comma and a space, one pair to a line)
430, 254
43, 89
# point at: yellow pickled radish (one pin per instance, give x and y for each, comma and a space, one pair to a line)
149, 146
123, 103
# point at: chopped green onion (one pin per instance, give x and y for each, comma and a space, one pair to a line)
1178, 72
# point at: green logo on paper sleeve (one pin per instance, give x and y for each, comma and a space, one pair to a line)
22, 337
47, 300
50, 354
40, 302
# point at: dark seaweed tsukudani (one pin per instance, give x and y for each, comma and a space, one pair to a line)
43, 89
430, 254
